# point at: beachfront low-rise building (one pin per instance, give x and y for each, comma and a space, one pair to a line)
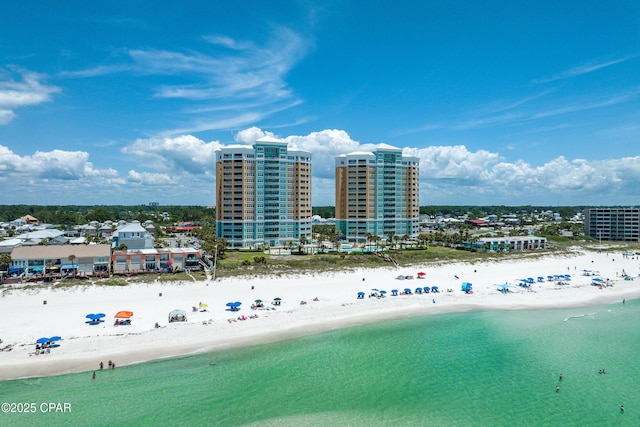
509, 243
133, 261
40, 260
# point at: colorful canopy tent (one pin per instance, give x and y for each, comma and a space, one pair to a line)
177, 316
124, 315
123, 318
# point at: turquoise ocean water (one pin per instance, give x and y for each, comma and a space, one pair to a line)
469, 369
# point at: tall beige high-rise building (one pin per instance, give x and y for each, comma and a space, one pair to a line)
263, 194
377, 192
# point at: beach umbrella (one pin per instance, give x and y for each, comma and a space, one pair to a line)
418, 289
237, 303
258, 301
277, 299
407, 290
383, 292
374, 290
91, 316
55, 338
100, 315
229, 304
42, 340
433, 289
361, 294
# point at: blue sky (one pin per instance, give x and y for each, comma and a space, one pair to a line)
504, 102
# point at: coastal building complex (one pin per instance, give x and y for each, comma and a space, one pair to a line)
509, 243
263, 194
377, 193
613, 224
86, 260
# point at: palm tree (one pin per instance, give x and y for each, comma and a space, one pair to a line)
72, 259
369, 237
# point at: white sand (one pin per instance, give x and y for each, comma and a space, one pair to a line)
24, 317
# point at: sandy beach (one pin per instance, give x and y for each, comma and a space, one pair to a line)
331, 302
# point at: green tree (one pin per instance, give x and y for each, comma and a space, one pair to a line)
5, 261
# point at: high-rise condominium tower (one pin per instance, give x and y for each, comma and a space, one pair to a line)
377, 193
263, 194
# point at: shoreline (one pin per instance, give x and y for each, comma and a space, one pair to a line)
83, 346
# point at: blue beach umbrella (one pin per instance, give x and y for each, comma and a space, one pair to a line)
383, 292
407, 290
361, 293
91, 316
55, 338
433, 289
42, 340
427, 289
100, 315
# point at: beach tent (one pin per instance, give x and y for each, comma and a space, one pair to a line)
277, 301
360, 295
407, 290
394, 292
433, 289
123, 318
466, 287
177, 315
124, 315
421, 274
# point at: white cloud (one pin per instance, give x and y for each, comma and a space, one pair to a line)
583, 69
252, 134
148, 178
181, 170
16, 94
182, 154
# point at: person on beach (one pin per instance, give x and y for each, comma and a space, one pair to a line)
110, 363
101, 366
